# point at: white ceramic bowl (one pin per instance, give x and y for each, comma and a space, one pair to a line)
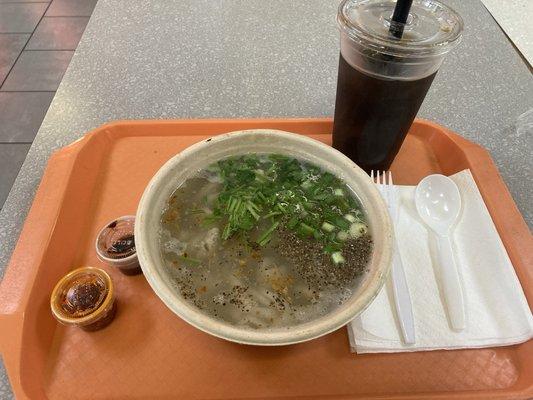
180, 167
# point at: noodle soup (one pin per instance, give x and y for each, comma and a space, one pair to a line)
264, 241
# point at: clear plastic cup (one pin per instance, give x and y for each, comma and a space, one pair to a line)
383, 80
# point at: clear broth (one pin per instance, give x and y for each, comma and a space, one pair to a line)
287, 282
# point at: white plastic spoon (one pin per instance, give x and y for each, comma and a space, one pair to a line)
438, 203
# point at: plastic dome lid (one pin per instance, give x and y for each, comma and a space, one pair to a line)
432, 28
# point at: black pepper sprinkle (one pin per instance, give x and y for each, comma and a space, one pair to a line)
317, 268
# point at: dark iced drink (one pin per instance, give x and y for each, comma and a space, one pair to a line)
382, 81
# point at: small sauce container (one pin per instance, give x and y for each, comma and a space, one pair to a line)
115, 245
84, 298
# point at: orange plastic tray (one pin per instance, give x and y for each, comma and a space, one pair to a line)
148, 352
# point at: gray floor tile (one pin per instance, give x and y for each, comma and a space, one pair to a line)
38, 71
11, 44
71, 8
58, 33
11, 158
20, 17
24, 1
21, 114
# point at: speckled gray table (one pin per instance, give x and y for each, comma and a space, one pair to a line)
201, 58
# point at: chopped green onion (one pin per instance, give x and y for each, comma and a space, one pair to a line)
261, 196
272, 214
349, 217
305, 229
342, 236
210, 219
254, 206
227, 232
317, 235
357, 229
331, 248
306, 185
266, 236
282, 208
252, 211
232, 204
292, 223
330, 199
337, 257
338, 192
342, 202
341, 223
326, 226
321, 197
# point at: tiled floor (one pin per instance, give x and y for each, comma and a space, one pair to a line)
37, 40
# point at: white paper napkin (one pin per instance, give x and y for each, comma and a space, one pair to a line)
496, 309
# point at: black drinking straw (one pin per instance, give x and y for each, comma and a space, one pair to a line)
399, 17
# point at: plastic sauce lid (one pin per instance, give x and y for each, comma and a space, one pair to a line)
115, 243
432, 28
82, 297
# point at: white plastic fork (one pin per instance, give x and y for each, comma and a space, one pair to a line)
402, 298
